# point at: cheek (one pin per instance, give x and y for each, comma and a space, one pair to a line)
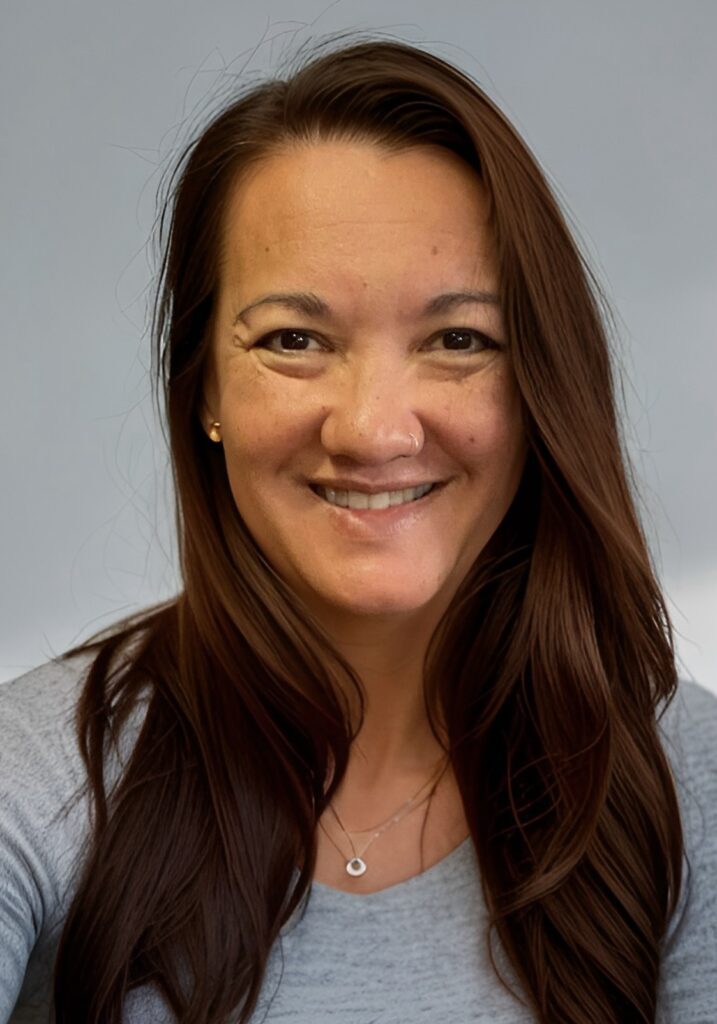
255, 418
493, 429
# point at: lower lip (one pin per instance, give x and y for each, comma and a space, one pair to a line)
389, 520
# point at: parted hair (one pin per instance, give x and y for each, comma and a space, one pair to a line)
549, 669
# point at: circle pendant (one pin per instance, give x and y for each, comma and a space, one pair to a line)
355, 867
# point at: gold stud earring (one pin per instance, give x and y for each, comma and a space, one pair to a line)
214, 431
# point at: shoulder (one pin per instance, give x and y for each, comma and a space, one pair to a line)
41, 768
43, 779
693, 710
41, 765
44, 816
42, 828
688, 730
37, 723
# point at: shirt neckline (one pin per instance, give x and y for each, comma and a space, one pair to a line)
325, 891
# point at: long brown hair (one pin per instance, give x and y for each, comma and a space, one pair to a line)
548, 667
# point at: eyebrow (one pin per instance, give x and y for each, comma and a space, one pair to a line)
312, 305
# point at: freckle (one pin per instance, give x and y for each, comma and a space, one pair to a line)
266, 248
471, 439
434, 250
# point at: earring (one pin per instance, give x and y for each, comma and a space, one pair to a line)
214, 431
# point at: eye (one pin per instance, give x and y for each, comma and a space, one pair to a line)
294, 339
461, 338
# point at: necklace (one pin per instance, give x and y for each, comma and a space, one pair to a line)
356, 865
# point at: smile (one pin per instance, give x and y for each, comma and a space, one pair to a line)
383, 500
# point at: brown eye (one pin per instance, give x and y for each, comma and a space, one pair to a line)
464, 340
290, 341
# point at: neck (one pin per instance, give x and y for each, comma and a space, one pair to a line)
395, 741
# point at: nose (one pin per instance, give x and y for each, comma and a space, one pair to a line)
370, 411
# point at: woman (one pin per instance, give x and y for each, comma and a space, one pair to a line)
397, 748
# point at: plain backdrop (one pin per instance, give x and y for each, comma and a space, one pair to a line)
615, 99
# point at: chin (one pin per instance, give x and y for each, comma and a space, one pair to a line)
365, 603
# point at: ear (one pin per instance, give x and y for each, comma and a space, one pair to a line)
209, 404
206, 418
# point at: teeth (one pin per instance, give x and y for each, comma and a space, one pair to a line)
381, 501
358, 499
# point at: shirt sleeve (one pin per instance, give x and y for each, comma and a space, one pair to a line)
21, 890
688, 979
42, 828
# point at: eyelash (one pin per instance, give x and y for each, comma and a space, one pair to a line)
489, 343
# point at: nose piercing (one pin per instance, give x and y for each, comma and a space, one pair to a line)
414, 444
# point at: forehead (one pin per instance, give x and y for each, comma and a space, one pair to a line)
355, 210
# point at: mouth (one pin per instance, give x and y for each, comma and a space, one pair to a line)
376, 504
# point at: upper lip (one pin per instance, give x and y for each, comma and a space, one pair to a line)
342, 484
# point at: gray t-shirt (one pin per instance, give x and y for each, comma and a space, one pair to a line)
413, 952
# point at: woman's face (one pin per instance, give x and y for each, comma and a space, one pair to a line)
332, 393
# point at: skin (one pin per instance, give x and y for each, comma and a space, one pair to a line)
375, 235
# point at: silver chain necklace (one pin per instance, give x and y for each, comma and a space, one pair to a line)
356, 865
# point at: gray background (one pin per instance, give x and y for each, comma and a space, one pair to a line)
617, 101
